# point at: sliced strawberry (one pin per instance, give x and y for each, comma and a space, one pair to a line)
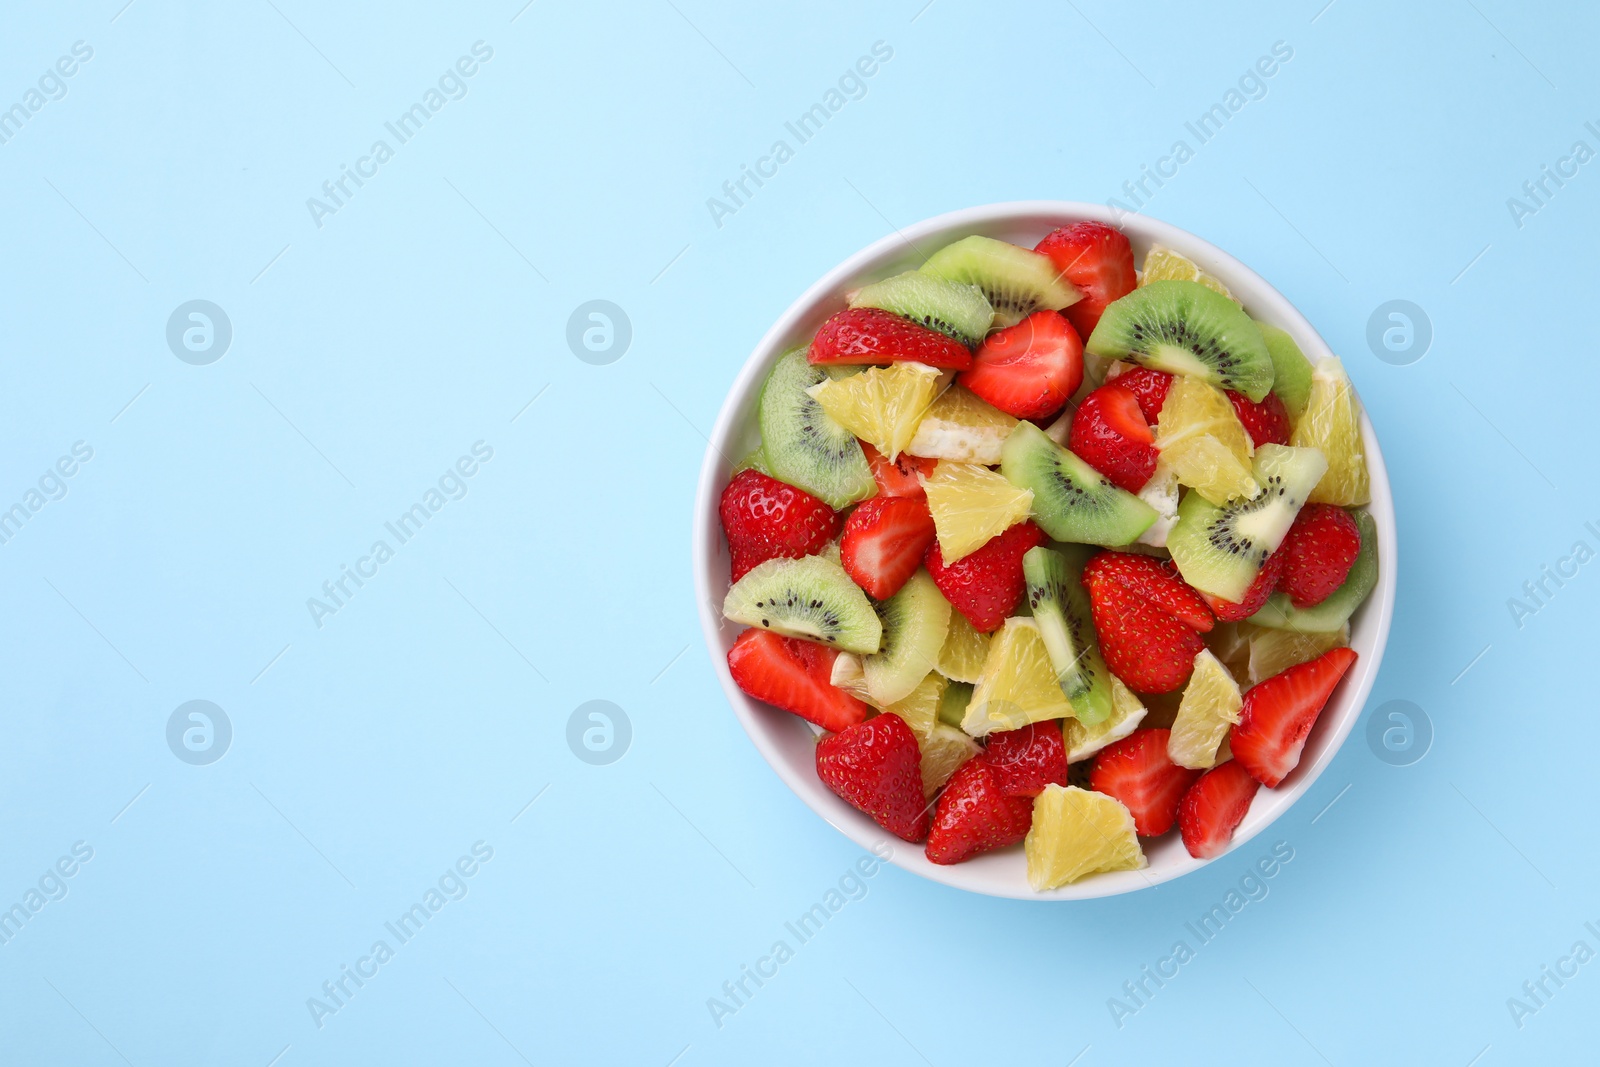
1030, 369
1157, 581
1266, 422
876, 767
1109, 433
764, 518
1265, 585
1137, 772
793, 675
884, 541
1318, 551
1214, 807
1150, 386
1025, 761
868, 335
1279, 712
900, 477
1145, 646
986, 585
974, 816
1098, 260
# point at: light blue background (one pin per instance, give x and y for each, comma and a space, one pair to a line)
370, 353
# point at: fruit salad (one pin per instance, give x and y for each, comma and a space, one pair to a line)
1055, 553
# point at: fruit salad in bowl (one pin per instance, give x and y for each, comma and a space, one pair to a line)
1062, 556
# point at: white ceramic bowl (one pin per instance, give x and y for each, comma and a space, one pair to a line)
787, 742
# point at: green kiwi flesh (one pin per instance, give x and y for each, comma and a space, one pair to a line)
1071, 500
1017, 281
1219, 548
802, 445
1061, 610
810, 598
915, 621
953, 703
1278, 613
953, 308
1291, 370
1186, 328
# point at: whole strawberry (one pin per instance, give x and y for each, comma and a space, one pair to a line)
1318, 552
1025, 761
764, 518
1266, 422
876, 767
973, 815
985, 585
1147, 646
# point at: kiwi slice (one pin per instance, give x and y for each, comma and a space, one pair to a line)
1071, 500
953, 703
1219, 548
961, 311
1291, 370
811, 598
802, 445
1016, 280
915, 621
1061, 608
1186, 328
1278, 613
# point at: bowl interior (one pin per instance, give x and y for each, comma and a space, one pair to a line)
788, 743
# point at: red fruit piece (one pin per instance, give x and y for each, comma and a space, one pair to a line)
764, 518
1025, 761
1145, 646
1110, 434
884, 541
793, 675
1266, 583
1098, 260
1213, 808
974, 816
1149, 386
986, 585
1318, 551
869, 335
1279, 712
1266, 422
876, 767
1137, 772
1157, 581
1030, 369
900, 477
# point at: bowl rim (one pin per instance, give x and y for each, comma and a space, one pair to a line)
983, 874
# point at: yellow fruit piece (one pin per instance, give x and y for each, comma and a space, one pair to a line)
1332, 423
1163, 264
961, 658
1202, 440
971, 504
962, 428
1077, 833
920, 708
1275, 651
944, 748
1018, 685
1126, 714
1211, 704
882, 406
